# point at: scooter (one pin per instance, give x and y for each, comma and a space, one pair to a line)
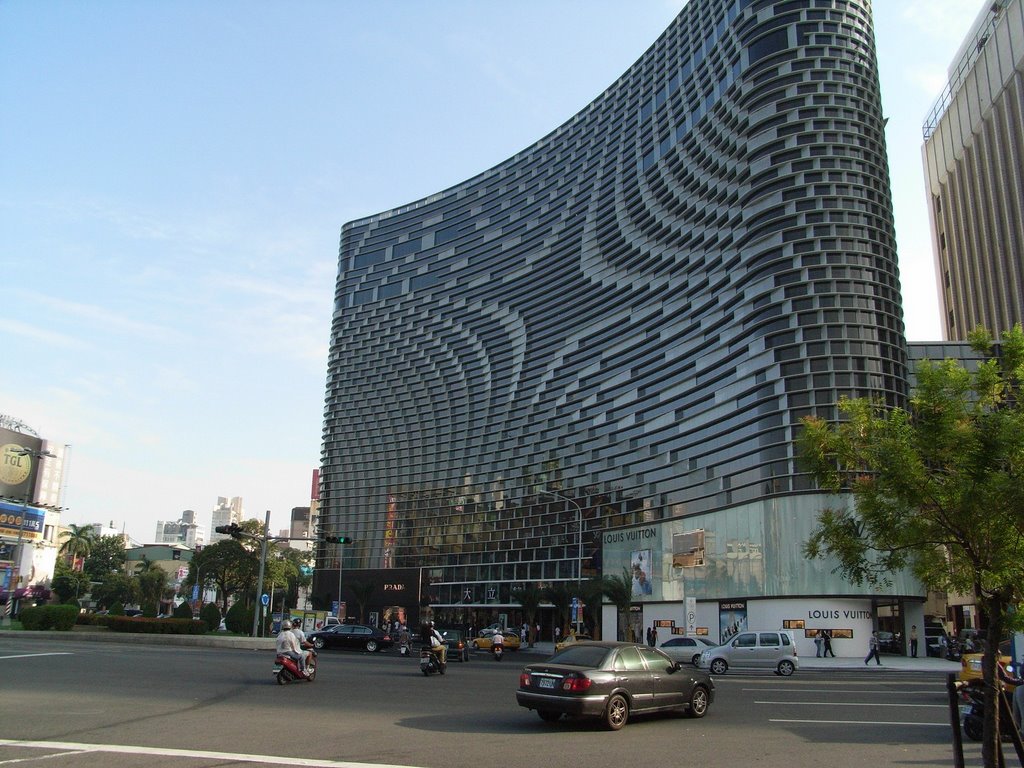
972, 707
430, 662
498, 651
286, 669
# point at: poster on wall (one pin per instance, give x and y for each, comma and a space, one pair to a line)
732, 618
640, 565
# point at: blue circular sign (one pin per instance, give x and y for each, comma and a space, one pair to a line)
265, 599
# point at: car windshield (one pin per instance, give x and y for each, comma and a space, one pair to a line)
581, 655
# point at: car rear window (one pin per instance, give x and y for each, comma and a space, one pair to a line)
581, 655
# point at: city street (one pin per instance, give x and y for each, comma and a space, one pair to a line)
161, 706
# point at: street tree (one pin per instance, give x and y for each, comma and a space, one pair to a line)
935, 488
79, 540
116, 589
362, 591
226, 564
557, 593
106, 556
619, 589
529, 597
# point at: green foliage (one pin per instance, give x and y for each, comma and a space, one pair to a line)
558, 595
116, 589
116, 609
79, 541
49, 617
106, 557
68, 586
182, 610
210, 614
239, 618
229, 565
362, 591
936, 488
619, 589
147, 626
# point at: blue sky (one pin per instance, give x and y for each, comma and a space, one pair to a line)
174, 177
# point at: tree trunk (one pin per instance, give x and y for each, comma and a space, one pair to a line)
994, 608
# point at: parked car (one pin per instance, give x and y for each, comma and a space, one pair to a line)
483, 642
774, 650
351, 636
686, 650
132, 612
571, 640
612, 681
455, 640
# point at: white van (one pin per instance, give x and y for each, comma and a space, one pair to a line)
761, 649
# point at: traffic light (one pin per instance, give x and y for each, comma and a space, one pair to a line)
338, 540
234, 530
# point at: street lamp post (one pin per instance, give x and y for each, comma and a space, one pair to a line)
579, 535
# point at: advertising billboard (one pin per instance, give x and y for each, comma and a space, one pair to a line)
19, 465
19, 521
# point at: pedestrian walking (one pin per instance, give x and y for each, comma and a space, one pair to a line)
913, 641
536, 634
819, 643
654, 637
649, 637
827, 643
873, 652
558, 634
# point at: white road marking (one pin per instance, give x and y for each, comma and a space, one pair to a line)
850, 704
33, 655
858, 722
198, 753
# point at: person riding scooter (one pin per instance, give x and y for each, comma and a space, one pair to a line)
305, 646
437, 645
498, 643
288, 646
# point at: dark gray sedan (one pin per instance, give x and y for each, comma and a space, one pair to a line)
610, 681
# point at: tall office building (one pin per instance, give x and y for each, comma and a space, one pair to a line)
185, 531
594, 356
974, 164
227, 511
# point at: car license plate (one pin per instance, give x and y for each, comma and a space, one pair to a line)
547, 682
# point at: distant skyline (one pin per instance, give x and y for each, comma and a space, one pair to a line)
175, 178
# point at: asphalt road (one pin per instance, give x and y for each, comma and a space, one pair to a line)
90, 704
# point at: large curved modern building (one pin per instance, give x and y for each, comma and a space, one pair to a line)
599, 350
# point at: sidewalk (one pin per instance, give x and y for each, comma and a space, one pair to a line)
899, 663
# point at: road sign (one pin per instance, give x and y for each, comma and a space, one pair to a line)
265, 599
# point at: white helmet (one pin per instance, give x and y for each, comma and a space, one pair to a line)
286, 624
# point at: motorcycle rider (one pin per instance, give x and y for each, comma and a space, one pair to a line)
1006, 677
305, 646
498, 642
437, 645
288, 646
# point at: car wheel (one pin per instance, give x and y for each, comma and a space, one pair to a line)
719, 667
371, 646
616, 713
786, 667
695, 659
318, 643
475, 646
699, 700
548, 716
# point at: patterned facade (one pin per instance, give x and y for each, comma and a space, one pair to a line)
974, 163
624, 322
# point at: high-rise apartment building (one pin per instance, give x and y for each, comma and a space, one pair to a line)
974, 164
227, 511
185, 531
594, 356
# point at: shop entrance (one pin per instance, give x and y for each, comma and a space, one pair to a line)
889, 616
